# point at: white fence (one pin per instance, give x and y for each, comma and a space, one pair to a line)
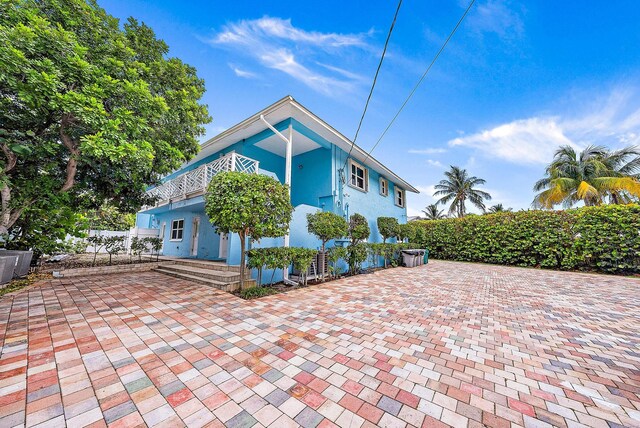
136, 231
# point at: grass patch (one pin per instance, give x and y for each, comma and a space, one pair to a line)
17, 284
256, 292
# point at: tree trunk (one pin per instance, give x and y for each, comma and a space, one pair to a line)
242, 255
322, 261
72, 164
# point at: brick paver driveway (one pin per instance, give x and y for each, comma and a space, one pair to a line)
447, 343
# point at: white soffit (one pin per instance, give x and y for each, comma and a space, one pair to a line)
301, 144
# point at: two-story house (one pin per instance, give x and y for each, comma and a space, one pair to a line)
290, 143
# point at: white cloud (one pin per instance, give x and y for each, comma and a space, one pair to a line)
242, 73
435, 163
497, 17
612, 120
430, 151
276, 44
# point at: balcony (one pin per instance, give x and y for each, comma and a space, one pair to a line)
194, 183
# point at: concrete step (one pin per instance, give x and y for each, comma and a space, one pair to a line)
228, 287
205, 272
206, 264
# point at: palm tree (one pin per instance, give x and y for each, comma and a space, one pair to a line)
498, 208
433, 213
592, 176
457, 188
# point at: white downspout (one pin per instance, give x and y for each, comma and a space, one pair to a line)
287, 178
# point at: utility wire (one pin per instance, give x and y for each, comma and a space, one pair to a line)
375, 78
435, 58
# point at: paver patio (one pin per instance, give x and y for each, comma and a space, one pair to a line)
447, 343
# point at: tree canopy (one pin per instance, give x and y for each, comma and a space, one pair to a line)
458, 188
251, 205
89, 111
432, 212
591, 176
388, 227
326, 226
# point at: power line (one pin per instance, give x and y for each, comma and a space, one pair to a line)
375, 78
435, 58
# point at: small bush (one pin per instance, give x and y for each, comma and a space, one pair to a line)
256, 292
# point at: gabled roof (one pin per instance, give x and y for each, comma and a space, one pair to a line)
287, 108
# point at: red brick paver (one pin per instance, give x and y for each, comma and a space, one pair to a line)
456, 344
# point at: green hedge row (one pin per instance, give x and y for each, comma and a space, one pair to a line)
604, 238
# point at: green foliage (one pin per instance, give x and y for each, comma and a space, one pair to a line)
388, 227
432, 212
334, 255
155, 243
457, 188
138, 246
358, 228
591, 176
257, 292
109, 217
97, 242
405, 231
327, 226
603, 238
252, 205
45, 229
280, 258
114, 245
356, 255
91, 111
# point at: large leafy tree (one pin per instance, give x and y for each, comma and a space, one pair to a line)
89, 111
326, 226
432, 212
458, 188
388, 227
591, 176
252, 205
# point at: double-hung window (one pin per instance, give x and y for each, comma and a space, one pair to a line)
358, 176
400, 197
177, 229
384, 186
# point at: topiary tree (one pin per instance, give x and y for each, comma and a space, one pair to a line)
251, 205
356, 251
405, 231
358, 228
388, 227
335, 254
326, 226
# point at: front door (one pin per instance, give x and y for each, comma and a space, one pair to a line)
224, 245
195, 231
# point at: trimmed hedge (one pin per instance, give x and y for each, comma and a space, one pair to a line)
604, 238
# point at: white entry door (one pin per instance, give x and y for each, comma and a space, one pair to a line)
224, 245
195, 231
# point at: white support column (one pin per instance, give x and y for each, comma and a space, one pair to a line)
287, 172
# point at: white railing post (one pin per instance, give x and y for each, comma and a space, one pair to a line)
204, 178
256, 166
233, 161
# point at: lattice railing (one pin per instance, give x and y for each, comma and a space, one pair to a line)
194, 182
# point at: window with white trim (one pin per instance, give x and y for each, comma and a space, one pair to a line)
400, 197
177, 229
384, 186
358, 176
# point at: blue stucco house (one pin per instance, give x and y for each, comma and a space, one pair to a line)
290, 143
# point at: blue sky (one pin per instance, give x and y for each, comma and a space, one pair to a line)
517, 80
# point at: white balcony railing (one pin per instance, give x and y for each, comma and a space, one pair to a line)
193, 183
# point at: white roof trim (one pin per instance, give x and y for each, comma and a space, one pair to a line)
358, 153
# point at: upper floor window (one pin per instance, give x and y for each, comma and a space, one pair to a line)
400, 197
358, 176
384, 186
177, 228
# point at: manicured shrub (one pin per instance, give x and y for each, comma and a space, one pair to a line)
387, 227
334, 255
603, 238
326, 226
256, 292
358, 228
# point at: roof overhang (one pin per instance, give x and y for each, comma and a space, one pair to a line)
282, 110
